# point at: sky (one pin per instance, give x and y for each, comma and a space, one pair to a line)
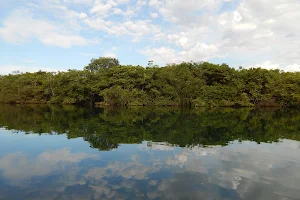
57, 35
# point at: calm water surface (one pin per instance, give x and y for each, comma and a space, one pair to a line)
148, 153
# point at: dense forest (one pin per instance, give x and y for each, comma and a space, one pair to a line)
105, 129
105, 81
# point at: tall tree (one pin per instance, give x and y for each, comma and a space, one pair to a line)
102, 63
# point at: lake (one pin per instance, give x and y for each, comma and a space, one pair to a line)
66, 152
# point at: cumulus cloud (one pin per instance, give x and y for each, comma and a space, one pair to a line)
262, 28
20, 27
257, 32
102, 9
200, 51
272, 65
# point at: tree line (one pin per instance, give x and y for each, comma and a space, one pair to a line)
105, 81
105, 129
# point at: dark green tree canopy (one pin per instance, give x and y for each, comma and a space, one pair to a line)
106, 82
102, 63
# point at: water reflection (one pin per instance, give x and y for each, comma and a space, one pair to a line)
155, 154
105, 129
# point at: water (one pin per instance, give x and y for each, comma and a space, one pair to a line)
148, 153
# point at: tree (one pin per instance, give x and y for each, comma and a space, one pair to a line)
185, 84
102, 63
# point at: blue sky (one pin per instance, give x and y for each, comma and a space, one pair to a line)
65, 34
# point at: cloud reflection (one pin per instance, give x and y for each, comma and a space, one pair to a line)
238, 171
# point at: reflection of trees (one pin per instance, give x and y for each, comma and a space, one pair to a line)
106, 129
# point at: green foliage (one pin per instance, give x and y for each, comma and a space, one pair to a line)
105, 81
96, 65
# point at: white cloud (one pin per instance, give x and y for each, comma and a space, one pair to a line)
139, 28
88, 2
244, 27
183, 11
198, 52
118, 11
270, 65
254, 31
141, 2
155, 3
21, 27
161, 55
101, 9
237, 16
97, 23
136, 28
122, 1
63, 40
82, 15
153, 15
